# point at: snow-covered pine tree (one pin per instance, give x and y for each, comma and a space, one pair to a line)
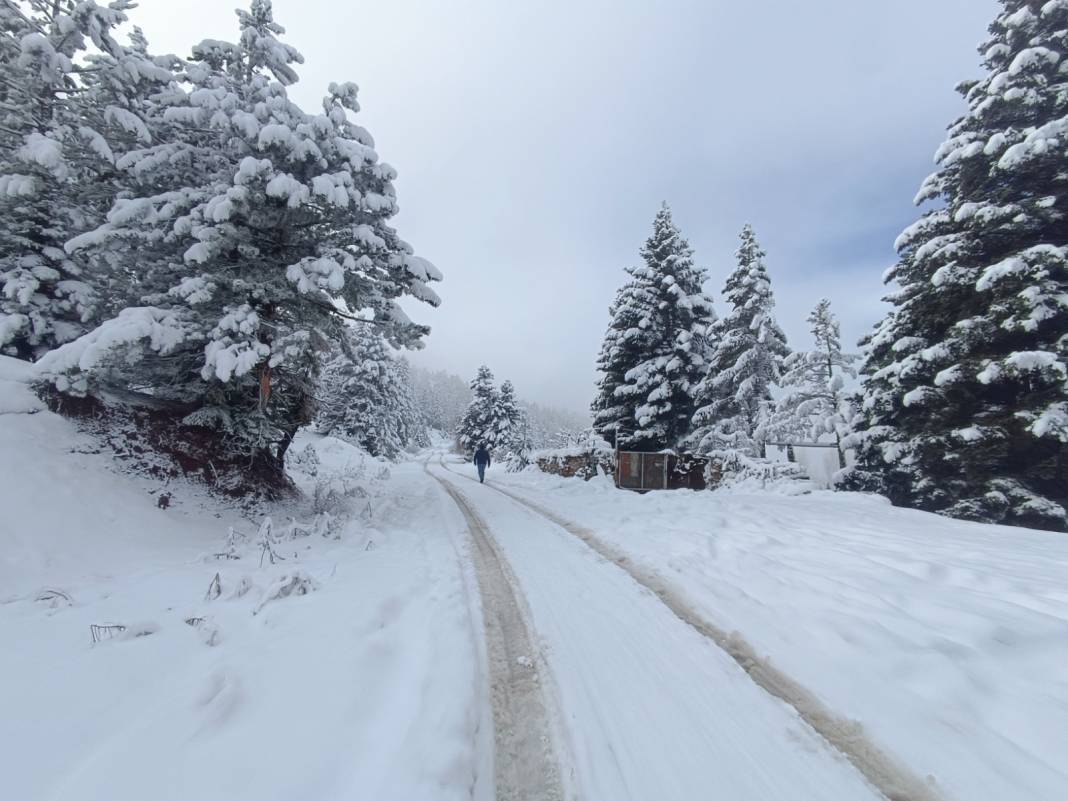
479, 423
359, 396
256, 228
965, 402
613, 413
411, 425
64, 113
507, 415
814, 404
746, 360
657, 338
513, 436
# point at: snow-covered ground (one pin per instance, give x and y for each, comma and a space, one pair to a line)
649, 708
946, 640
369, 686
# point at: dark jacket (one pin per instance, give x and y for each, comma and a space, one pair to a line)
482, 457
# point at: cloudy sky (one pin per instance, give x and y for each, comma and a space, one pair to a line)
535, 141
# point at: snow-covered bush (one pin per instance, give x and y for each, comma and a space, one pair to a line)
735, 468
586, 456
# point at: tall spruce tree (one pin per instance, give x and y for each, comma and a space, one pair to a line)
508, 415
479, 424
965, 406
746, 360
657, 341
255, 228
613, 411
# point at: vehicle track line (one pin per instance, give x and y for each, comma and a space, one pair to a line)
525, 767
883, 771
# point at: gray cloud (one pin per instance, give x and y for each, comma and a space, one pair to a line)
534, 142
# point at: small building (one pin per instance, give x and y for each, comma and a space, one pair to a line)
639, 471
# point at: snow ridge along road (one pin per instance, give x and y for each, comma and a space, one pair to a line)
525, 767
892, 779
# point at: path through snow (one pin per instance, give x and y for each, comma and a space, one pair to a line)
525, 767
651, 708
893, 779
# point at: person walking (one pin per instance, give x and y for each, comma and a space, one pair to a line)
482, 461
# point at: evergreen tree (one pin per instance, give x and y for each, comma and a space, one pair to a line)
747, 357
624, 342
657, 341
508, 416
814, 403
479, 424
358, 395
965, 408
514, 432
256, 229
64, 114
365, 396
411, 424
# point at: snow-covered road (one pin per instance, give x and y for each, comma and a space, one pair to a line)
460, 645
525, 763
649, 708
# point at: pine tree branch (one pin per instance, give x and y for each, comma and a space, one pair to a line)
339, 313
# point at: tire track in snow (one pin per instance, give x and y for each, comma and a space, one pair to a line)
883, 771
525, 768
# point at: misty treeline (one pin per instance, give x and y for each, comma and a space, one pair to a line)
377, 400
482, 413
178, 235
962, 405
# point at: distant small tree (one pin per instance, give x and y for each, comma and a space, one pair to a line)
507, 415
479, 425
814, 403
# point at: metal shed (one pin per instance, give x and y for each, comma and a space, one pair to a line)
636, 470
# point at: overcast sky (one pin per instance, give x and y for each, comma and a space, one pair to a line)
536, 140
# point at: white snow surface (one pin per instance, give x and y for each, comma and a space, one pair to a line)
368, 687
649, 707
945, 640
